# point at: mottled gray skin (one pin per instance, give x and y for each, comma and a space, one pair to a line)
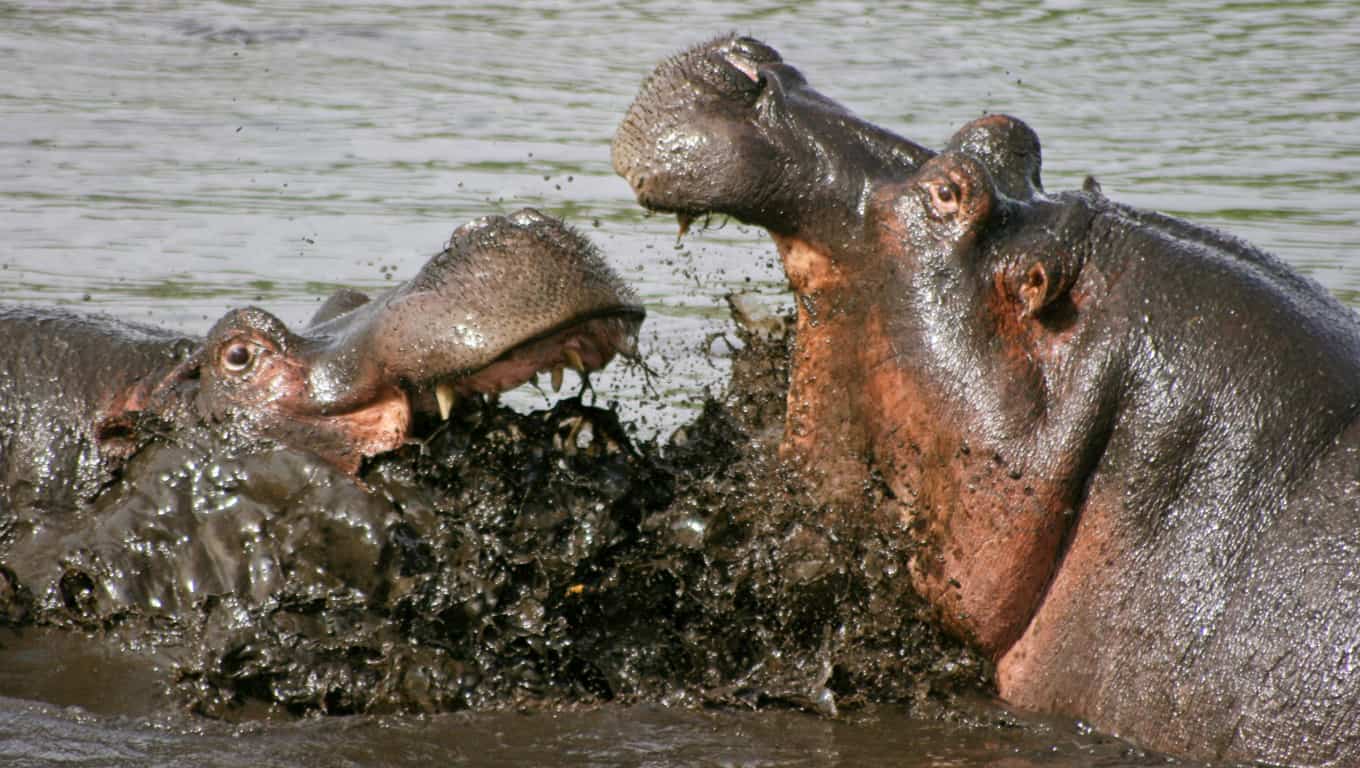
1127, 444
76, 389
56, 369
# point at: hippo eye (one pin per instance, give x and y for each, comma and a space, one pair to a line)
945, 197
238, 357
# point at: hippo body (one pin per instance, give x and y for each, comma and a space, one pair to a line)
58, 368
1125, 444
509, 297
1124, 492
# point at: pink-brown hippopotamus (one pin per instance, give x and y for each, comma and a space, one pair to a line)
1127, 445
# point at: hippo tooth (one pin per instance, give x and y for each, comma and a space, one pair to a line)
574, 360
685, 220
627, 346
445, 394
557, 378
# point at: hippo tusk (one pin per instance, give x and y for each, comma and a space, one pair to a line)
447, 397
574, 360
557, 378
685, 220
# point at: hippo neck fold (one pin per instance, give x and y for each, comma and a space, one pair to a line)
824, 432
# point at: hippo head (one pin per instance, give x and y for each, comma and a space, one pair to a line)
509, 297
729, 127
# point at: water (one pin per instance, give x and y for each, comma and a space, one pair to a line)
168, 161
37, 735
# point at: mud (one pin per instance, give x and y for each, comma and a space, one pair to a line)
545, 560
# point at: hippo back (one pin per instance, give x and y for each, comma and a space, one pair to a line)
57, 370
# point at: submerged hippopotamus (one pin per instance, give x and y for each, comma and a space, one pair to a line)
509, 297
1127, 444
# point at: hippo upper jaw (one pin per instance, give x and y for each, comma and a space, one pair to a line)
584, 344
509, 298
727, 127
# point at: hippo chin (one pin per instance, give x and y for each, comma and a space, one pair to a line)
509, 297
1126, 444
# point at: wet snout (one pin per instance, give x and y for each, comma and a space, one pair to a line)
690, 123
729, 127
509, 298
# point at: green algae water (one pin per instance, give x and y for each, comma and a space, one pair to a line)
164, 162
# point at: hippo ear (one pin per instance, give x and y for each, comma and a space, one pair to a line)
342, 301
1008, 148
118, 425
117, 436
1040, 282
1035, 289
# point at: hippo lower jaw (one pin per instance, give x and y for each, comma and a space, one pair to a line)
346, 439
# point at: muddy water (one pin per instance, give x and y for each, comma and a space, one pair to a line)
168, 161
639, 736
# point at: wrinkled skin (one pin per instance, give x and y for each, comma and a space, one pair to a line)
1126, 444
508, 297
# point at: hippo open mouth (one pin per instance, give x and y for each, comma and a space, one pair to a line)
509, 298
584, 344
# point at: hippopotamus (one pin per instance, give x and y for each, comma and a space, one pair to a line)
509, 297
1125, 444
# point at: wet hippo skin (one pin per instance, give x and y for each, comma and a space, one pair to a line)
1124, 444
509, 297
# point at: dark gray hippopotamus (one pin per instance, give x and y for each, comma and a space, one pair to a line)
1126, 444
509, 297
